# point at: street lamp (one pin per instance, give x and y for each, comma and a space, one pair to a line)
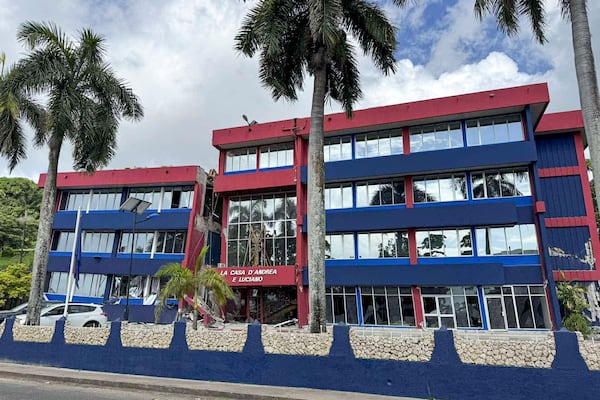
134, 206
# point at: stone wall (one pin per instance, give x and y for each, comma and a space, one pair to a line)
215, 340
38, 334
409, 345
147, 336
505, 349
296, 342
590, 351
88, 336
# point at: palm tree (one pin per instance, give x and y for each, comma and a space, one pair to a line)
183, 281
85, 103
507, 13
295, 37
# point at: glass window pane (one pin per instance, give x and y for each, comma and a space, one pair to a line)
450, 243
422, 239
419, 193
351, 309
507, 184
402, 244
529, 239
416, 143
428, 141
540, 312
385, 146
459, 184
442, 140
396, 143
394, 309
432, 190
436, 243
363, 245
486, 133
477, 185
368, 309
456, 138
460, 311
347, 196
473, 134
524, 312
446, 189
474, 312
381, 311
408, 310
362, 197
464, 242
429, 305
513, 239
500, 131
515, 131
522, 186
361, 147
498, 239
492, 180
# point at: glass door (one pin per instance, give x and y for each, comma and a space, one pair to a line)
495, 313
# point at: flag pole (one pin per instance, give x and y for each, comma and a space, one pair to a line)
71, 278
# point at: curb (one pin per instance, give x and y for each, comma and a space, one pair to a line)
39, 373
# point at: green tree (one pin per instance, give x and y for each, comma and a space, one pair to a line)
85, 103
572, 299
299, 37
507, 13
183, 281
14, 282
20, 201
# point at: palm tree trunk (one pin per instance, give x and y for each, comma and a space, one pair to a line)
587, 81
316, 200
42, 247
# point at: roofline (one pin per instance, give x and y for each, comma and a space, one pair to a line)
513, 99
126, 177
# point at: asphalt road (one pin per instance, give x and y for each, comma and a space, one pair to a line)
12, 389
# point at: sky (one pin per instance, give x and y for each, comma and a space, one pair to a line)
178, 57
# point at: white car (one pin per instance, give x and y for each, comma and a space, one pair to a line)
79, 314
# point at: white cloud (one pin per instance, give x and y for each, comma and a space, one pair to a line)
178, 57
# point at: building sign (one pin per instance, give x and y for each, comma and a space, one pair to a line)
259, 276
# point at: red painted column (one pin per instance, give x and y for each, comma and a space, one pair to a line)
412, 246
416, 294
406, 140
408, 192
224, 221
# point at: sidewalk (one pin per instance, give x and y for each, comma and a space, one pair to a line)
177, 386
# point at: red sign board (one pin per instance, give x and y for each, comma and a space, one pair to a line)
259, 276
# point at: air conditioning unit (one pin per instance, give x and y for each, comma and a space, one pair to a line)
221, 265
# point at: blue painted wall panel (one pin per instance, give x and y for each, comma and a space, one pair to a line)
563, 196
516, 153
456, 215
116, 220
556, 151
430, 275
142, 264
567, 248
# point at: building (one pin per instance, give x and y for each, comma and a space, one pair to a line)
181, 218
459, 212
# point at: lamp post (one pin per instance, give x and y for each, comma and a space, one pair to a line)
136, 207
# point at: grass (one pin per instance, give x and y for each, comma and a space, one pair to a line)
6, 261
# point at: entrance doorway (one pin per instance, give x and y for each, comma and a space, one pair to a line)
268, 305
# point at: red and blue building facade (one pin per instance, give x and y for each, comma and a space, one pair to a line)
459, 212
177, 224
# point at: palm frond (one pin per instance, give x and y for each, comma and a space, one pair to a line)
343, 76
45, 34
374, 32
508, 12
212, 279
324, 21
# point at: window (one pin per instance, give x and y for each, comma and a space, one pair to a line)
277, 155
444, 243
92, 285
262, 230
383, 245
63, 241
140, 286
169, 242
151, 195
378, 144
517, 307
339, 247
435, 137
97, 242
512, 240
337, 148
76, 200
501, 183
387, 305
440, 188
105, 200
341, 305
451, 307
240, 160
380, 193
338, 196
177, 197
494, 130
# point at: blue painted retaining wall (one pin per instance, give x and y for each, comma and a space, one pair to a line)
444, 377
